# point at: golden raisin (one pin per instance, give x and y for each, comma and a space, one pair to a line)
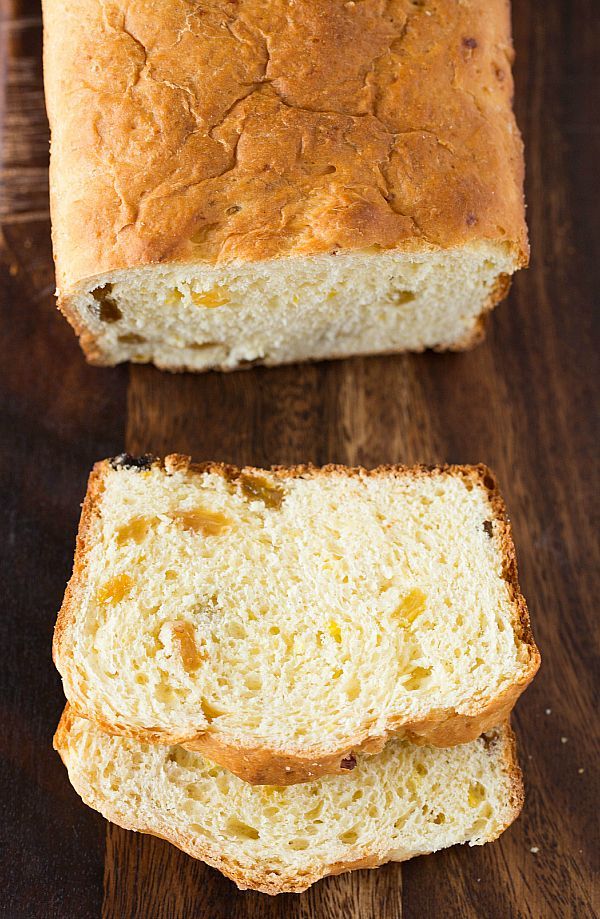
183, 635
115, 589
107, 309
416, 678
174, 297
211, 298
257, 488
412, 605
135, 529
335, 631
202, 520
131, 338
403, 296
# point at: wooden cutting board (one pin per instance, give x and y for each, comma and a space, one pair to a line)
522, 402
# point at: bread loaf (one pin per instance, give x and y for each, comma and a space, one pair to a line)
269, 181
404, 802
279, 621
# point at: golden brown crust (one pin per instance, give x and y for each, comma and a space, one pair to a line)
260, 764
317, 134
270, 883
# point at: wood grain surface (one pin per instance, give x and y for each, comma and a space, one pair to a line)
523, 402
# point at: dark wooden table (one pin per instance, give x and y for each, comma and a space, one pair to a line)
522, 402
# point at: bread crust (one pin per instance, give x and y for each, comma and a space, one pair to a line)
316, 135
266, 882
261, 764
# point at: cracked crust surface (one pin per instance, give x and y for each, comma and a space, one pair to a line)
262, 128
260, 764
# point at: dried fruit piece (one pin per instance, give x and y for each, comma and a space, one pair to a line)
131, 338
202, 520
412, 606
174, 297
107, 309
135, 529
218, 296
184, 637
348, 762
416, 677
335, 631
403, 296
127, 461
256, 487
115, 589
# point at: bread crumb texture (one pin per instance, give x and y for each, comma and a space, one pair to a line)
211, 142
295, 612
403, 802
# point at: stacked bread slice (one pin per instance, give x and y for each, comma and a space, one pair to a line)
294, 672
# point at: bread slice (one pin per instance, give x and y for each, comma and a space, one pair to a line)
273, 182
279, 621
408, 800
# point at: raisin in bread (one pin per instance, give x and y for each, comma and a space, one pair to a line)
406, 801
280, 621
275, 182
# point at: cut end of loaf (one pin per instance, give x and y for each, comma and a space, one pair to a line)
202, 317
240, 612
406, 801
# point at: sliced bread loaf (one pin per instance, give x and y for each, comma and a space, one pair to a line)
280, 621
406, 801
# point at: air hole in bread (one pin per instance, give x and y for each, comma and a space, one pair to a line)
241, 830
476, 794
204, 345
298, 845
